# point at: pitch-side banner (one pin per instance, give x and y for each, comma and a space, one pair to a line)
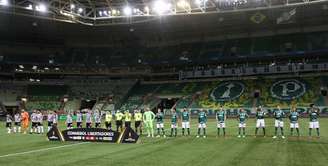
91, 134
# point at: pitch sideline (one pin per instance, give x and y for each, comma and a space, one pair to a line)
41, 150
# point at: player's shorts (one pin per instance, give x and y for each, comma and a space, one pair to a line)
242, 125
88, 124
127, 124
50, 123
202, 125
314, 125
294, 125
69, 125
137, 124
8, 124
79, 124
278, 123
221, 125
97, 125
260, 123
119, 123
17, 123
160, 125
185, 125
39, 124
34, 124
174, 125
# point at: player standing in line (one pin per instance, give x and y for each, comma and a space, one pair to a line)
127, 119
202, 119
34, 119
293, 117
88, 119
108, 120
18, 119
9, 120
185, 120
278, 122
79, 119
40, 122
260, 123
314, 122
148, 118
137, 121
174, 122
221, 117
160, 123
242, 117
55, 118
97, 116
50, 120
25, 121
69, 120
119, 121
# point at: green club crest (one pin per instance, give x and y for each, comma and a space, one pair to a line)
288, 89
227, 91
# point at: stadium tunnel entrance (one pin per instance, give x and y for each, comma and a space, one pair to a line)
87, 104
167, 103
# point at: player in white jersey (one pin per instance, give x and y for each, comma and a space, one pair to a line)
97, 116
79, 119
55, 118
50, 117
18, 119
9, 120
40, 122
69, 121
88, 119
34, 119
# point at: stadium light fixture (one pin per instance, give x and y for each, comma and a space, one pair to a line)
183, 4
4, 2
41, 8
161, 7
127, 10
29, 7
147, 10
80, 10
21, 66
72, 6
100, 13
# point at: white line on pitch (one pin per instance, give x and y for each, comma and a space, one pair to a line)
41, 150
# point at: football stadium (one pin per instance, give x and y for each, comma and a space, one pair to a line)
164, 82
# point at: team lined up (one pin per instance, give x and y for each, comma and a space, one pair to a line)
148, 117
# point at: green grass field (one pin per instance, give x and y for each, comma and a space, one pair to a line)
19, 149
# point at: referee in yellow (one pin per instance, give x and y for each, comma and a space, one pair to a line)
127, 118
137, 121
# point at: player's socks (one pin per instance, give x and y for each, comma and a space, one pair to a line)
310, 132
9, 130
19, 129
171, 132
15, 130
244, 132
224, 131
256, 130
183, 130
264, 131
218, 131
298, 132
239, 131
158, 131
163, 131
198, 132
282, 131
49, 128
188, 130
204, 130
176, 132
318, 132
291, 131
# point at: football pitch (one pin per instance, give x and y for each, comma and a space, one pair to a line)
35, 150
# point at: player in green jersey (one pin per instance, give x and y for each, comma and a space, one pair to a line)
220, 118
185, 121
160, 123
202, 119
278, 122
314, 122
242, 116
260, 123
293, 117
148, 118
174, 122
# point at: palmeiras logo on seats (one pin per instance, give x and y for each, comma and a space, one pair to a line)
228, 90
288, 89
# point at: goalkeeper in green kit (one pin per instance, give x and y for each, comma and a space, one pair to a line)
148, 118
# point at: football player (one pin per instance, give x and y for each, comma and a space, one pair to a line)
174, 122
18, 119
293, 117
278, 122
160, 123
242, 117
314, 122
185, 120
202, 120
260, 123
9, 120
220, 118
